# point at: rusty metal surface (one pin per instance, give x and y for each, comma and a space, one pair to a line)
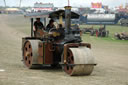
69, 60
48, 53
40, 51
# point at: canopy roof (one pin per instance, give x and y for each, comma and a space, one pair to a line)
54, 14
62, 13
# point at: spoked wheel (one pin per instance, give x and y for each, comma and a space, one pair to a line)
68, 68
75, 62
27, 58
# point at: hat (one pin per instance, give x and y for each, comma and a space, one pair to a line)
51, 20
37, 18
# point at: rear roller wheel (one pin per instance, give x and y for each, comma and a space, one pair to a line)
28, 55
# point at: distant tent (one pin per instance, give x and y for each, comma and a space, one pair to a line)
12, 9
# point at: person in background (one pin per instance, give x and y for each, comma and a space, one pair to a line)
50, 25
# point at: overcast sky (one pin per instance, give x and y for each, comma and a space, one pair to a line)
62, 3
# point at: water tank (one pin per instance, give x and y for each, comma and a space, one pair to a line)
101, 18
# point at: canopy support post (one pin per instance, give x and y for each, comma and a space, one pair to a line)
31, 27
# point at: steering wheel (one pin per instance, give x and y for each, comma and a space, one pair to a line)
52, 30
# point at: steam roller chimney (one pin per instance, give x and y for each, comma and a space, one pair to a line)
68, 19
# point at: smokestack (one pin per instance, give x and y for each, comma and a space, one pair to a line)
68, 18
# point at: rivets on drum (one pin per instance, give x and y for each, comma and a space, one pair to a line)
71, 67
69, 61
26, 49
26, 58
68, 54
29, 62
29, 46
67, 67
31, 54
72, 58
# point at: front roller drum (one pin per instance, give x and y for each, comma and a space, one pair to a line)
76, 69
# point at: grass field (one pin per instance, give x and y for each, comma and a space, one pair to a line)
112, 30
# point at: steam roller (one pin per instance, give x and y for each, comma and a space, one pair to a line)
59, 47
76, 58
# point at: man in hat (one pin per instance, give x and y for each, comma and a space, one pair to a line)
38, 25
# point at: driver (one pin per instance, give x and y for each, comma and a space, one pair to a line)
50, 25
38, 25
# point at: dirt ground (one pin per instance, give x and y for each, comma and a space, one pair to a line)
112, 60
